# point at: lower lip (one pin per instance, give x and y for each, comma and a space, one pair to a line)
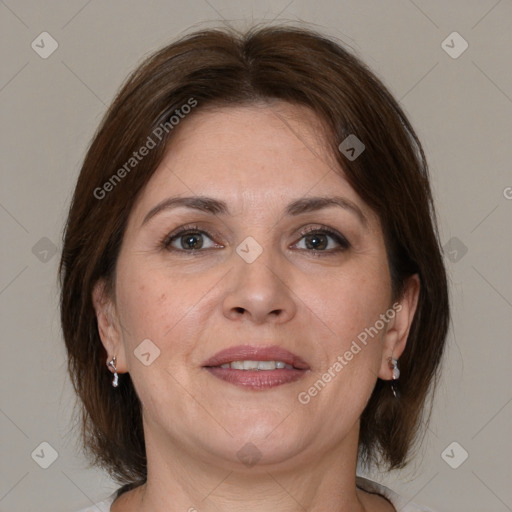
257, 379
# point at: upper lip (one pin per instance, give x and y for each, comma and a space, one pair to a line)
256, 353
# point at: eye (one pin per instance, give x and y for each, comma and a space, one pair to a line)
189, 239
322, 239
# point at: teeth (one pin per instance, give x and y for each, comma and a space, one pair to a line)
256, 365
266, 365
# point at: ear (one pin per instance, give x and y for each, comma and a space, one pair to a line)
108, 325
397, 333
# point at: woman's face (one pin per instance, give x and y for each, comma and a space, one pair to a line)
261, 273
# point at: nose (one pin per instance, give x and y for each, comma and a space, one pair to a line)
259, 291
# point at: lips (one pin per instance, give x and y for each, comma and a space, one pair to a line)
239, 366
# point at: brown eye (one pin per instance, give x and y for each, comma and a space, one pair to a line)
189, 240
322, 240
317, 241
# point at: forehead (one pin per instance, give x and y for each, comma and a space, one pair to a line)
249, 155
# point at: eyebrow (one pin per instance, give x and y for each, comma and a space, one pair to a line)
218, 207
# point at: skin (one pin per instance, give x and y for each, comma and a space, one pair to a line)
193, 305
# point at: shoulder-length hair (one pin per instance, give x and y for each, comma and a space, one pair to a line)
219, 67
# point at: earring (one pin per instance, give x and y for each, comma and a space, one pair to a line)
112, 364
393, 365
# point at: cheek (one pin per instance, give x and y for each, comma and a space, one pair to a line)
144, 305
348, 310
164, 309
349, 303
162, 305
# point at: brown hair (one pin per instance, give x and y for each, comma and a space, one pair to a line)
220, 67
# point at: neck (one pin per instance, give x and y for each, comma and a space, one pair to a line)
301, 484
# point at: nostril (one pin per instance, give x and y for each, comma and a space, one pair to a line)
239, 310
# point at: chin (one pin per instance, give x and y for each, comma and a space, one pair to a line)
262, 442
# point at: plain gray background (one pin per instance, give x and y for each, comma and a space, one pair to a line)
461, 108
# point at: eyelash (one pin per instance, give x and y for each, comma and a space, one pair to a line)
319, 230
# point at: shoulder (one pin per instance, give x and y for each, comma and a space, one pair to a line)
399, 502
102, 506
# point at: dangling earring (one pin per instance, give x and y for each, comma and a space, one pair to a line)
112, 364
393, 365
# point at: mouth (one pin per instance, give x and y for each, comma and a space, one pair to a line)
256, 368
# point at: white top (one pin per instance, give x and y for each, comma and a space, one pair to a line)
400, 503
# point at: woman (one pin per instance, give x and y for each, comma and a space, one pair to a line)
253, 298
